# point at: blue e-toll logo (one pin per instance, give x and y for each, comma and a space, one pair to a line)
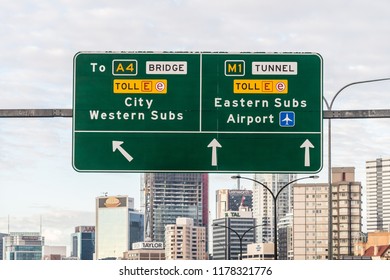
287, 119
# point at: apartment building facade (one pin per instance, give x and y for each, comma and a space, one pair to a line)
185, 241
311, 216
378, 194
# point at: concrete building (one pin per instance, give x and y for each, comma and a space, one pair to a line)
118, 225
259, 251
310, 221
146, 251
53, 252
185, 241
231, 200
83, 243
23, 246
311, 216
167, 196
378, 194
1, 244
347, 211
263, 204
285, 238
232, 234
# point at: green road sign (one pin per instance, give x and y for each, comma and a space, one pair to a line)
197, 112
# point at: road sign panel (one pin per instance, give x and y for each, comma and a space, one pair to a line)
197, 112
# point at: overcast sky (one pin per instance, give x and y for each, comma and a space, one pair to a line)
40, 39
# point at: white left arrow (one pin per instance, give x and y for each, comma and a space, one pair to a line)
307, 145
214, 144
116, 145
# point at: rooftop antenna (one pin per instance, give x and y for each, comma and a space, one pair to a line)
40, 225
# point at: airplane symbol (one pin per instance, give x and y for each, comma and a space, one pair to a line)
286, 119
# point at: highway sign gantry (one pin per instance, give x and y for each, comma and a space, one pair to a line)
197, 112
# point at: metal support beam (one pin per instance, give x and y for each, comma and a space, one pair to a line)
35, 113
68, 113
357, 114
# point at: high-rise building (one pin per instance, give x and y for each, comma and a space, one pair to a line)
118, 225
311, 221
232, 234
83, 243
167, 196
263, 203
378, 194
311, 211
346, 211
285, 238
137, 227
231, 200
184, 241
1, 244
23, 246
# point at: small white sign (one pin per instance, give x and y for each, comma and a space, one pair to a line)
148, 245
274, 68
166, 67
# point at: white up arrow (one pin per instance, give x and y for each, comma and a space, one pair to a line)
116, 145
214, 144
307, 145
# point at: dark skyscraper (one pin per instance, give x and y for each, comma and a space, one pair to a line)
83, 242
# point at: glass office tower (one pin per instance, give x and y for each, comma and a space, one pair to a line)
23, 246
167, 196
83, 242
117, 226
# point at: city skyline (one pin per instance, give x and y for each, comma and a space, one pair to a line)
343, 182
213, 216
36, 65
